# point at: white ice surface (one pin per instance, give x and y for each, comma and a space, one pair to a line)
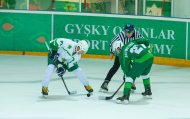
20, 90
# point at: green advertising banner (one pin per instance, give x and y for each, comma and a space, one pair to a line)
93, 29
21, 32
168, 37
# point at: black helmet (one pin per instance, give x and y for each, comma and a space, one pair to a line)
129, 28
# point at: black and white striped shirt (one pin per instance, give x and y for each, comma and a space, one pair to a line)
122, 37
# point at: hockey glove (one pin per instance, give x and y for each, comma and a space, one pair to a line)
54, 56
60, 71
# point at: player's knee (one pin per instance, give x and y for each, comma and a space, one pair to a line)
129, 79
145, 76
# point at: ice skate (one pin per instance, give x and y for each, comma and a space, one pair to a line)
104, 87
89, 89
147, 93
122, 100
45, 91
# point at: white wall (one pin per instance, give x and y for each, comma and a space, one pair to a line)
181, 8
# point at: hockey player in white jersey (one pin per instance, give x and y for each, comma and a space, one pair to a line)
65, 54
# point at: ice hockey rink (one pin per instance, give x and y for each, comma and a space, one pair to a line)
20, 90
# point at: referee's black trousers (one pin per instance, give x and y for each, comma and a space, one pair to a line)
113, 69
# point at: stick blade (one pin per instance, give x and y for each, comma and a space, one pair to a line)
108, 98
72, 92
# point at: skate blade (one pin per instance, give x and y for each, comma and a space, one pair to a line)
73, 92
125, 102
103, 91
148, 97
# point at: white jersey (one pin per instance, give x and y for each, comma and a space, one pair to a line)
66, 51
67, 54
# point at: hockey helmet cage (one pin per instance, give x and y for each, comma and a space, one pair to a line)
83, 45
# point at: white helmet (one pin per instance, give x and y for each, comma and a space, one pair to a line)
83, 45
116, 45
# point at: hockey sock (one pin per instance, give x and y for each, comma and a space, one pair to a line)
127, 88
146, 83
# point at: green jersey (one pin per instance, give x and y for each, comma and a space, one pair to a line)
136, 51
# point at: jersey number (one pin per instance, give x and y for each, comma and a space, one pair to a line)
136, 49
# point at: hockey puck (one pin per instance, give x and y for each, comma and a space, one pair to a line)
88, 95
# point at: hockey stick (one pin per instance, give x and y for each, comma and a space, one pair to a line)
110, 97
42, 40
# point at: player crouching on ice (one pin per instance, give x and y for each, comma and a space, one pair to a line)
136, 60
65, 54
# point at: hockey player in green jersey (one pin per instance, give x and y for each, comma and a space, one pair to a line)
65, 54
136, 60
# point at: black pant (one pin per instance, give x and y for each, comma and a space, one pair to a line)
113, 69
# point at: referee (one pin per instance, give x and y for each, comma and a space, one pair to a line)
128, 34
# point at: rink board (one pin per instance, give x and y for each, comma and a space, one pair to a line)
21, 31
